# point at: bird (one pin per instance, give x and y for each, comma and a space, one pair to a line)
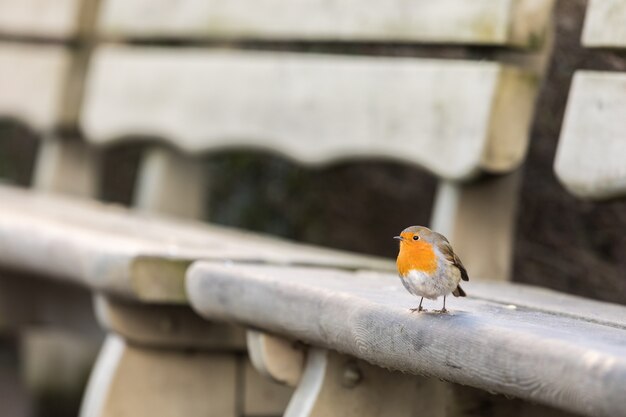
428, 267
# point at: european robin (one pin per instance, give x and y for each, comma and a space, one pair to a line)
428, 266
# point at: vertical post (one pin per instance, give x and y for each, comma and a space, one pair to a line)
479, 220
67, 167
163, 360
132, 380
337, 385
171, 183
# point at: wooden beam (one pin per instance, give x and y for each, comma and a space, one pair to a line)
152, 326
566, 362
262, 397
276, 358
590, 159
519, 296
447, 116
484, 22
139, 381
67, 167
479, 220
604, 24
108, 248
171, 184
32, 81
165, 326
337, 385
40, 18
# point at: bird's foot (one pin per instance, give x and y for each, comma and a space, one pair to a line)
418, 309
442, 311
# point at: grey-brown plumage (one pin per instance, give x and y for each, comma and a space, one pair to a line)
428, 266
446, 249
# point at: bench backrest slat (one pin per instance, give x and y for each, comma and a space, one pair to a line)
455, 118
443, 115
32, 80
487, 22
591, 156
44, 50
605, 24
58, 19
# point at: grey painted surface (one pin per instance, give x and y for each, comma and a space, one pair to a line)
591, 157
604, 24
59, 19
566, 362
454, 118
112, 249
32, 81
488, 22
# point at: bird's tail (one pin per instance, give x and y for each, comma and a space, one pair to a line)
458, 292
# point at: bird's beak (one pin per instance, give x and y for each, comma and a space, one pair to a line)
398, 237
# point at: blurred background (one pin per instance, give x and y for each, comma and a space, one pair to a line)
561, 242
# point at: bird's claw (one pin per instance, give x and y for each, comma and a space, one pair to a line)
418, 309
442, 311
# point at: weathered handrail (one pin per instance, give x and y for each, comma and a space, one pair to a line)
144, 257
544, 354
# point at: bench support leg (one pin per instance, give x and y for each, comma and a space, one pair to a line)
171, 184
484, 242
137, 381
262, 397
337, 385
56, 364
58, 337
274, 367
276, 358
67, 166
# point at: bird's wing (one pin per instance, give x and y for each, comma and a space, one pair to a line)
446, 249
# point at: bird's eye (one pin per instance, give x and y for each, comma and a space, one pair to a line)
416, 237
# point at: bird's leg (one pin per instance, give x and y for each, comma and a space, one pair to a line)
419, 308
443, 310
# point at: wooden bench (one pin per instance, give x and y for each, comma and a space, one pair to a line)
293, 109
316, 108
529, 343
465, 121
44, 53
117, 103
138, 265
44, 49
562, 351
590, 158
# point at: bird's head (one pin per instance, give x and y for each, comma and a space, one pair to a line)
414, 236
416, 250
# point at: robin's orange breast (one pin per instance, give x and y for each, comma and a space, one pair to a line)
418, 256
